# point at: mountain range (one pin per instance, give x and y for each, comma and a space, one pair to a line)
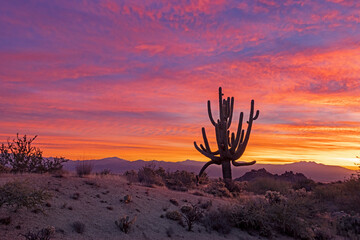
315, 171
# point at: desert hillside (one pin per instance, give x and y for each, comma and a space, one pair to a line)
98, 201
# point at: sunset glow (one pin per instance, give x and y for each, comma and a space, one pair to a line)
131, 79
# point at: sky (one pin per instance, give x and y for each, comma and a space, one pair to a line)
131, 79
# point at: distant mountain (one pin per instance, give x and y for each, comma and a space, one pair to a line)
315, 171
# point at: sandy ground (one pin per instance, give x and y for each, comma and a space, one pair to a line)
99, 205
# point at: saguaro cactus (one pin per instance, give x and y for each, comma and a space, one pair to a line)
230, 147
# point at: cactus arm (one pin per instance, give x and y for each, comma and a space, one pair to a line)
239, 130
207, 146
205, 167
210, 114
206, 154
231, 112
228, 138
221, 104
256, 115
242, 136
217, 134
227, 108
205, 140
226, 142
232, 138
238, 164
241, 149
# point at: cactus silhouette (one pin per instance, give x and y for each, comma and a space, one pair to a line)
230, 147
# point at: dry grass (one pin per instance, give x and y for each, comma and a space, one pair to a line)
84, 168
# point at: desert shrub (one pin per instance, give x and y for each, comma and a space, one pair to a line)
204, 205
43, 234
306, 184
20, 156
250, 217
204, 179
218, 188
105, 172
292, 215
174, 201
348, 226
160, 171
148, 176
20, 194
124, 223
83, 168
339, 196
191, 214
180, 180
174, 215
217, 221
261, 185
328, 192
274, 197
78, 227
131, 176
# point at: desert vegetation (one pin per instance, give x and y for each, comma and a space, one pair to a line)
20, 156
271, 205
84, 168
258, 204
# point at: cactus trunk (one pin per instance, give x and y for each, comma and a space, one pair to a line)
226, 170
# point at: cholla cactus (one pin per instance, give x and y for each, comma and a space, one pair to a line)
230, 146
124, 223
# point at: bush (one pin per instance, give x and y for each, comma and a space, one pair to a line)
105, 172
84, 168
191, 214
215, 220
174, 215
348, 226
343, 196
43, 234
292, 215
218, 188
131, 176
274, 197
20, 156
251, 217
19, 194
124, 223
180, 180
261, 185
149, 176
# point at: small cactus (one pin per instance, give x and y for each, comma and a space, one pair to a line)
124, 223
